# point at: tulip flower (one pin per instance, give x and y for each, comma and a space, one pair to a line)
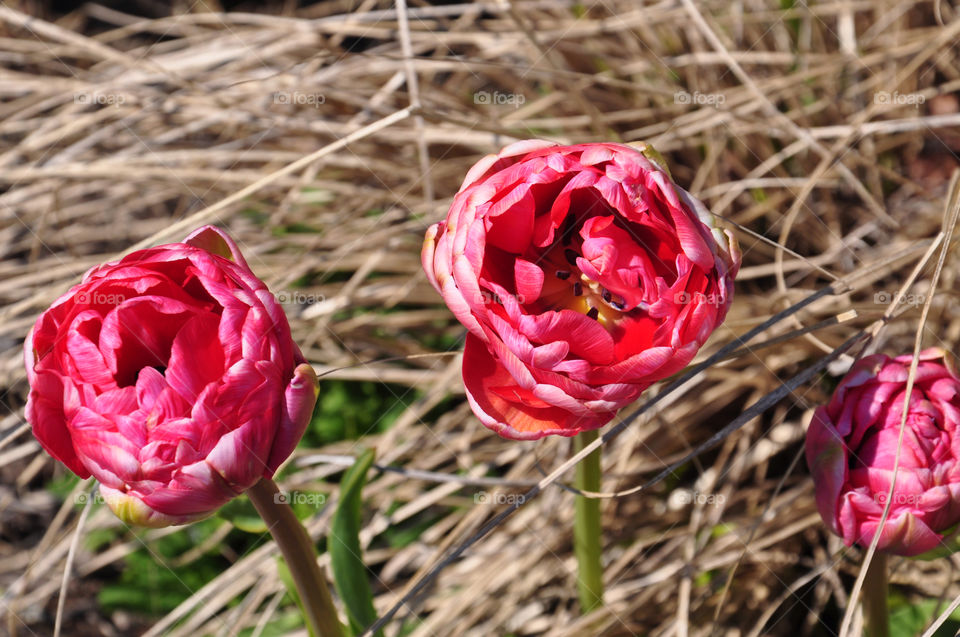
851, 449
583, 275
171, 377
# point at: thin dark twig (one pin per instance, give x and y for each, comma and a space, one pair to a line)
759, 407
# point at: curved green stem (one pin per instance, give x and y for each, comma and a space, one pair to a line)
301, 557
587, 528
875, 597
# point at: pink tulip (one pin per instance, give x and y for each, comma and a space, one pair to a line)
171, 377
852, 446
583, 275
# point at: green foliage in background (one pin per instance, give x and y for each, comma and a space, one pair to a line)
347, 410
909, 620
156, 580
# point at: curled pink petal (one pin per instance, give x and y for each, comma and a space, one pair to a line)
216, 241
299, 399
510, 409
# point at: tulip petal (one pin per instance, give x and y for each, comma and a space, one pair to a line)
133, 511
510, 220
195, 492
827, 459
585, 337
196, 357
428, 251
299, 400
109, 456
45, 413
216, 241
529, 280
487, 384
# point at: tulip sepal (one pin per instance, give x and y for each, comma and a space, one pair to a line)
300, 555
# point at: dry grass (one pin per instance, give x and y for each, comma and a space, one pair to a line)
799, 125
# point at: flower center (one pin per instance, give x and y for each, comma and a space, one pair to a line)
576, 291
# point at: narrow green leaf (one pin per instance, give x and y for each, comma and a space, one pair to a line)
349, 572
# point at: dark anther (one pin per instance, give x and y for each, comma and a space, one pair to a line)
618, 305
577, 289
606, 296
563, 275
593, 313
571, 256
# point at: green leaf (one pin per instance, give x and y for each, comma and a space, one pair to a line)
349, 572
908, 620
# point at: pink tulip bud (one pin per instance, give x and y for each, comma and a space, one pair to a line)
852, 446
171, 377
583, 275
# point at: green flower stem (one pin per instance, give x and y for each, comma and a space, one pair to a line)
587, 530
875, 597
301, 557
